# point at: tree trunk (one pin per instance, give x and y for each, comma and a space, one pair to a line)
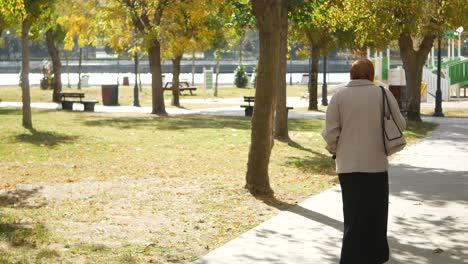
154, 56
217, 74
117, 68
324, 84
139, 75
281, 116
68, 71
413, 63
175, 80
56, 65
268, 14
79, 67
24, 78
139, 78
193, 67
240, 49
313, 78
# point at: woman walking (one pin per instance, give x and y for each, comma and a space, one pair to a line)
353, 133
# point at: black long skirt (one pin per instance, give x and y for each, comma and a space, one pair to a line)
365, 209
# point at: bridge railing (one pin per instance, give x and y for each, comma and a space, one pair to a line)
458, 73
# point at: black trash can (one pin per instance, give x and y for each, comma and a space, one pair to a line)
126, 82
110, 94
249, 110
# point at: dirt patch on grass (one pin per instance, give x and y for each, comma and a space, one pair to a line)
175, 218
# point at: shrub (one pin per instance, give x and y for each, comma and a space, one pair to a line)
240, 77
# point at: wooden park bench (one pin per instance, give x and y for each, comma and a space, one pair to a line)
68, 99
249, 108
183, 86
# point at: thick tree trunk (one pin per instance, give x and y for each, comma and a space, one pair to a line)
56, 65
79, 68
413, 63
154, 56
281, 117
268, 14
175, 80
216, 78
313, 78
24, 78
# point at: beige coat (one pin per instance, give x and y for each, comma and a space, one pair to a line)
353, 128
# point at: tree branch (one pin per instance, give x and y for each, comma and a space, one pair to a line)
136, 20
426, 44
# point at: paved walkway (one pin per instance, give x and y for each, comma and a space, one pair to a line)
296, 102
428, 219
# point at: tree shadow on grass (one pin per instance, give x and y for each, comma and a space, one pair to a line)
19, 198
44, 138
307, 125
316, 163
173, 123
193, 122
13, 231
10, 111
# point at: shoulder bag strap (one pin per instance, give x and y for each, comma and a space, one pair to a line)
386, 99
390, 110
382, 119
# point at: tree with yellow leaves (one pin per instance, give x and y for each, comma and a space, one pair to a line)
415, 24
78, 21
314, 23
224, 36
185, 28
46, 24
116, 29
26, 13
146, 17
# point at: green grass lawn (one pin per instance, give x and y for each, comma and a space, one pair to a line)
448, 112
127, 188
321, 108
126, 93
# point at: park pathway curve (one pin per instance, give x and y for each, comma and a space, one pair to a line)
428, 218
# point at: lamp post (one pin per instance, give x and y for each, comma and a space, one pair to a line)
453, 47
324, 85
458, 32
290, 70
438, 99
136, 101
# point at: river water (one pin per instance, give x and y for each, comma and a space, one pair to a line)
111, 78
